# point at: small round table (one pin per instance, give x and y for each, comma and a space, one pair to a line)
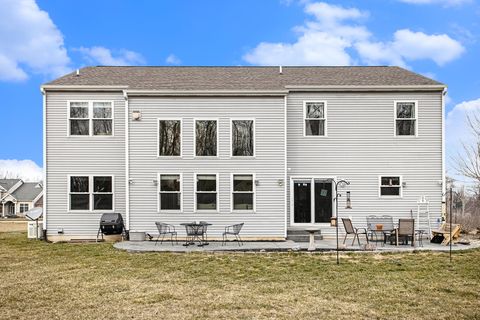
312, 231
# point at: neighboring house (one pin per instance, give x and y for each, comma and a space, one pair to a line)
258, 145
17, 196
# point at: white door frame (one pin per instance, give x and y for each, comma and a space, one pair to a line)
312, 199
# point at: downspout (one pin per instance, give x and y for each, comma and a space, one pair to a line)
127, 164
444, 186
44, 226
285, 168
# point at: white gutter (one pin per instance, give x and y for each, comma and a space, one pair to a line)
285, 168
444, 186
127, 164
207, 92
367, 88
44, 97
53, 87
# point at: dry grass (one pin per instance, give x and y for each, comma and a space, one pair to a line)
93, 281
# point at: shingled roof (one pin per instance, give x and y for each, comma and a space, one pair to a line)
240, 78
28, 191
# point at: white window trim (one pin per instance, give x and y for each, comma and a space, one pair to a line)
196, 210
325, 118
195, 137
158, 137
254, 191
380, 186
23, 204
90, 119
395, 118
90, 193
254, 137
159, 210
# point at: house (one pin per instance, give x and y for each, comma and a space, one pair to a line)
17, 196
259, 145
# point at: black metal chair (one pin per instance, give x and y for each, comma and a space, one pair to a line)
350, 229
233, 230
166, 229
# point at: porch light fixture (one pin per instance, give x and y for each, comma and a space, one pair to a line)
136, 115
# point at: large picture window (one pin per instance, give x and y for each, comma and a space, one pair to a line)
91, 193
206, 137
170, 194
243, 138
169, 137
315, 118
390, 186
206, 192
90, 118
405, 118
243, 192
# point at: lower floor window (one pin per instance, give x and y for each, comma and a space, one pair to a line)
23, 207
91, 193
390, 186
170, 192
243, 194
206, 192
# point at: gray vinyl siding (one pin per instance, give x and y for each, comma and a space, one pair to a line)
268, 164
361, 146
83, 156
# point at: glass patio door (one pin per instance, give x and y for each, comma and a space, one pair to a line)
312, 201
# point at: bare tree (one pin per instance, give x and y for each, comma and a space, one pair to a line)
467, 163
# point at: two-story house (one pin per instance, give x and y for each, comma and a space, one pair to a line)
18, 196
259, 145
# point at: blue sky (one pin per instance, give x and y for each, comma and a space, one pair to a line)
42, 39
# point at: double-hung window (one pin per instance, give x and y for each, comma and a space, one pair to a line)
23, 207
206, 192
169, 137
405, 118
91, 193
205, 138
90, 118
315, 118
170, 192
390, 186
243, 138
243, 193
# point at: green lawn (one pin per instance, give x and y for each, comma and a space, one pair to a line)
93, 281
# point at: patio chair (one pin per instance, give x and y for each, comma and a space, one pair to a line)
405, 231
233, 230
350, 229
165, 229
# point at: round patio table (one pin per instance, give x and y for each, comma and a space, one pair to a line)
312, 231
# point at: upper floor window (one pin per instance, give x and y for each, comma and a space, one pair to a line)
315, 118
243, 138
206, 137
405, 118
390, 186
89, 193
94, 118
169, 137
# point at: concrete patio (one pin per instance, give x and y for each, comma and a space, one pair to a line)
328, 244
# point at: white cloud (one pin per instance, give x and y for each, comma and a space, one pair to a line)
336, 33
20, 169
408, 46
29, 42
447, 3
173, 59
105, 56
457, 131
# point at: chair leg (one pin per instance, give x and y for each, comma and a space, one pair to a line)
366, 236
354, 238
241, 241
345, 239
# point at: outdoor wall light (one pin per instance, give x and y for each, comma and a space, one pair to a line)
404, 184
136, 115
155, 182
257, 182
280, 182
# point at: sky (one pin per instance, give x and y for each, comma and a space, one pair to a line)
41, 40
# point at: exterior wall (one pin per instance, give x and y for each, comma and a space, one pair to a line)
361, 146
76, 155
268, 166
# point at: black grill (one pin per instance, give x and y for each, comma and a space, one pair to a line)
111, 223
